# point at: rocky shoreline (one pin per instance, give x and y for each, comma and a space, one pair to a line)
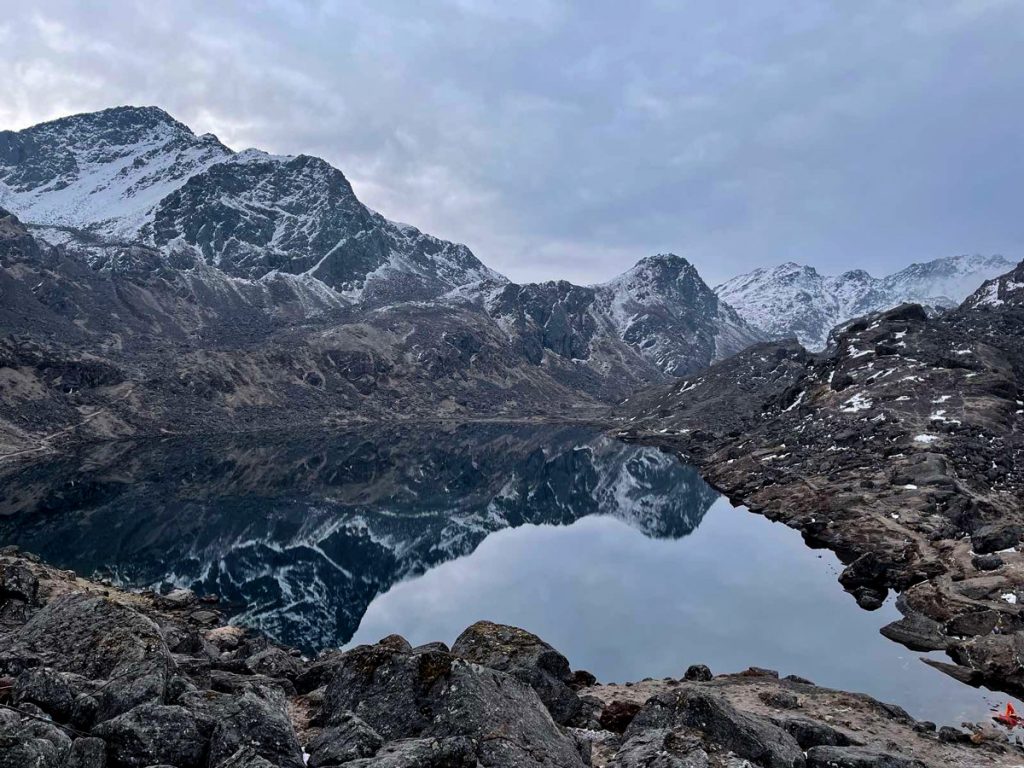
95, 677
899, 448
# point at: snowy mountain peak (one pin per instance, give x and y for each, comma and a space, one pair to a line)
793, 300
137, 175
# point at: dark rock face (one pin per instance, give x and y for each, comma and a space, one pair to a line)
899, 447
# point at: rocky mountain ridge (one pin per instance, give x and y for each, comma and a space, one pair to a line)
793, 300
157, 280
899, 448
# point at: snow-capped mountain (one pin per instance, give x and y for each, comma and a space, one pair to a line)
137, 175
796, 300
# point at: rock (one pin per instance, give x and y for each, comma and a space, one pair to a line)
582, 679
422, 753
617, 716
924, 726
403, 695
857, 757
52, 691
151, 734
18, 588
101, 640
697, 672
319, 672
20, 751
245, 757
950, 735
987, 562
996, 536
525, 656
225, 638
274, 662
759, 672
812, 733
349, 739
661, 748
779, 699
87, 752
177, 599
917, 632
43, 729
434, 646
749, 736
256, 719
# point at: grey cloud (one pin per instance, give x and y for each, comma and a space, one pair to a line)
565, 139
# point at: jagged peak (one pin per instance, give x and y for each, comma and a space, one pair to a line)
128, 118
659, 265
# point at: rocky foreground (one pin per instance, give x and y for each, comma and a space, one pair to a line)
900, 448
95, 677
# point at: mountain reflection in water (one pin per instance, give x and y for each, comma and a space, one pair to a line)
298, 535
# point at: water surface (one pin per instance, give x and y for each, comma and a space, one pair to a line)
618, 555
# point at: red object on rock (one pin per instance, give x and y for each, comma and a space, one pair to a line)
1009, 718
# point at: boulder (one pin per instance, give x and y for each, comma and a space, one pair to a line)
525, 656
812, 733
617, 715
256, 719
661, 748
697, 673
749, 736
101, 640
87, 752
857, 757
349, 739
422, 753
52, 691
151, 734
402, 694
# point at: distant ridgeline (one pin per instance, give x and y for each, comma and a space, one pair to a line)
154, 280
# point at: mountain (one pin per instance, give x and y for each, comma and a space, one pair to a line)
792, 300
136, 175
155, 280
900, 447
298, 534
661, 309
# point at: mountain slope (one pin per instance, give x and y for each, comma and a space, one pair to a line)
792, 300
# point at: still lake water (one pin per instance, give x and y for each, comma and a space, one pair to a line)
618, 555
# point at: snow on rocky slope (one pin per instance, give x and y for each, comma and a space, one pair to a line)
796, 300
136, 175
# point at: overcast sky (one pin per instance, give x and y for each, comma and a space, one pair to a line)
564, 139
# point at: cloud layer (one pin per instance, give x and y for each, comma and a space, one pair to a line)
564, 139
